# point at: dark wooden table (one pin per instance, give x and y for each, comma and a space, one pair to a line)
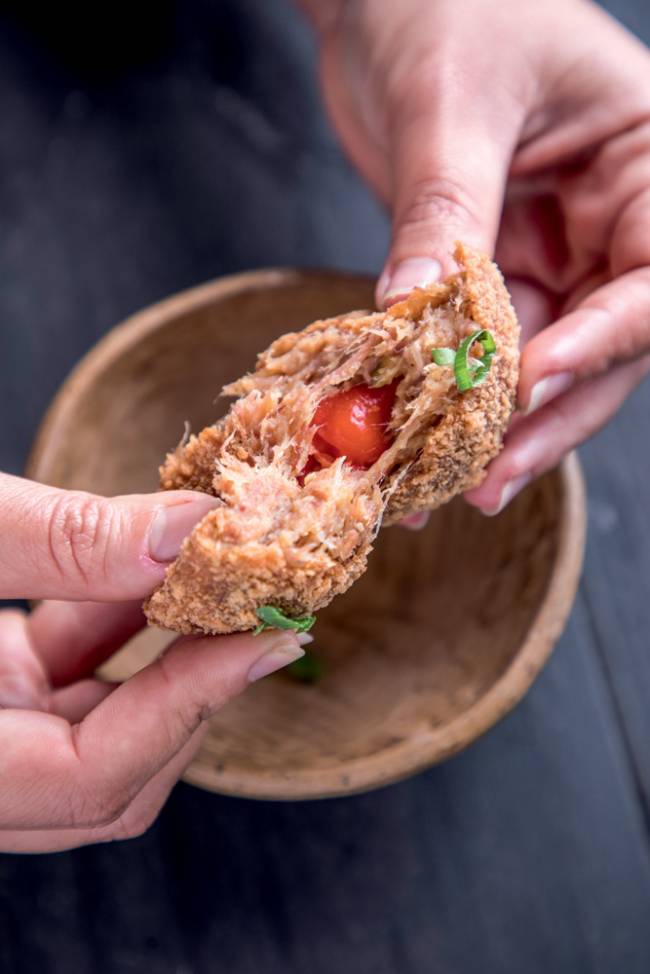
142, 154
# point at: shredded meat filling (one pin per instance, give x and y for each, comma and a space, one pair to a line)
332, 409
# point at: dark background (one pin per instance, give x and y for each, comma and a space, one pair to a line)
145, 148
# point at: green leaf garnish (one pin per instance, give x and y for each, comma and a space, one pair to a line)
469, 372
443, 356
273, 618
307, 669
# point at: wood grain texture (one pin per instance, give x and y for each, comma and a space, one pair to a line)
198, 149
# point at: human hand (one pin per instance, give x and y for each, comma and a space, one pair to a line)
521, 128
83, 760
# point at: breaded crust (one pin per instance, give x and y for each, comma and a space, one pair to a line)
459, 448
296, 542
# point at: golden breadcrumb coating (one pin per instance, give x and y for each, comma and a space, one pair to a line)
294, 540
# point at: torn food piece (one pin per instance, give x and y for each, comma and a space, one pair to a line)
342, 427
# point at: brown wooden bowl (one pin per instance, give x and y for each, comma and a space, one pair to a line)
441, 637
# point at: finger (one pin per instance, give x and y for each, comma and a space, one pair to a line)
73, 638
532, 240
610, 327
630, 247
539, 442
144, 808
134, 821
72, 545
448, 183
77, 700
57, 644
23, 679
535, 307
55, 775
414, 522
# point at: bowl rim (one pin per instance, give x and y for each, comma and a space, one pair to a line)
416, 752
131, 330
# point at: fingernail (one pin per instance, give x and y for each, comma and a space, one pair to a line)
305, 638
415, 522
508, 492
412, 272
284, 650
547, 389
171, 525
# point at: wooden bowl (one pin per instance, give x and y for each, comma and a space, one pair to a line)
441, 637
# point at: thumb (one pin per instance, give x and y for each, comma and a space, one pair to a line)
58, 544
449, 173
91, 775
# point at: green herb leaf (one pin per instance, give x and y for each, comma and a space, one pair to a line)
443, 356
472, 372
273, 618
307, 669
469, 372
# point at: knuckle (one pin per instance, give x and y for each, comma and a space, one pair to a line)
438, 201
133, 823
95, 799
190, 709
80, 528
96, 807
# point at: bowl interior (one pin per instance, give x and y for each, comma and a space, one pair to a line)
430, 630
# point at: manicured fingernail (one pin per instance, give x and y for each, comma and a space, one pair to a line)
547, 389
284, 650
509, 491
171, 525
305, 638
415, 522
413, 272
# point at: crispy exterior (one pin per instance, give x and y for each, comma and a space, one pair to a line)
276, 541
460, 447
222, 575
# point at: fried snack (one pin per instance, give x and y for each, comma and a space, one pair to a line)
295, 524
